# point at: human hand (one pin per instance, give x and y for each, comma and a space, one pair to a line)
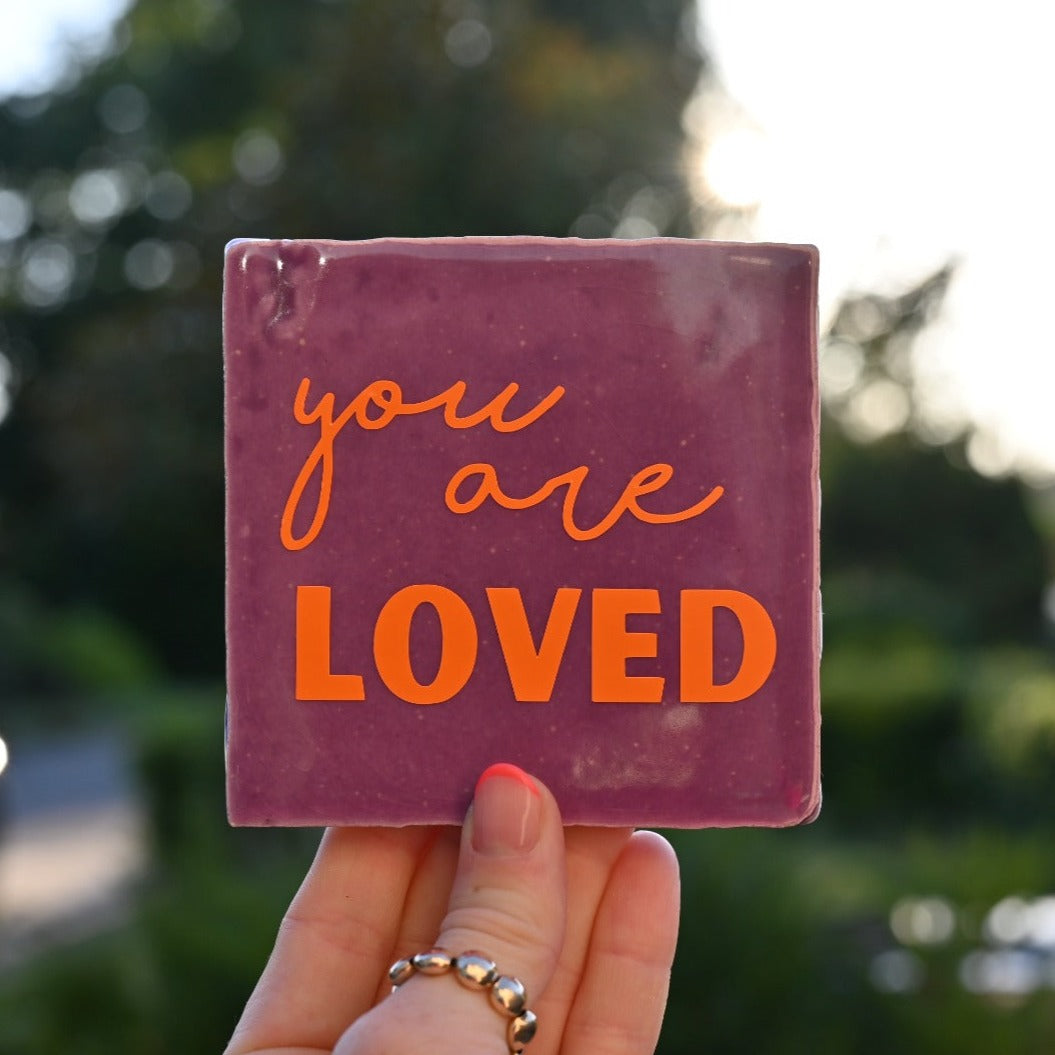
586, 918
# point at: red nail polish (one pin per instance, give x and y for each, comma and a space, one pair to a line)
511, 772
507, 811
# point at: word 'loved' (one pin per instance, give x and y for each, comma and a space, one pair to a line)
381, 402
533, 666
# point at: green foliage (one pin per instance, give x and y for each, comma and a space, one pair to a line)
215, 120
784, 931
894, 508
75, 650
175, 977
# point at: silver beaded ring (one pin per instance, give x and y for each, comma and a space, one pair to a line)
476, 971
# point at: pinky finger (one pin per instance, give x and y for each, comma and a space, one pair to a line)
618, 1009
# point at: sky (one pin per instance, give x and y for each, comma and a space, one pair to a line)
34, 38
895, 136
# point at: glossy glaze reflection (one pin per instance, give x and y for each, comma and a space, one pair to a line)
477, 490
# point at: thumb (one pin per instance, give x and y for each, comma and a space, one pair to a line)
507, 904
508, 899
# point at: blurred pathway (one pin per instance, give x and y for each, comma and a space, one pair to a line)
71, 841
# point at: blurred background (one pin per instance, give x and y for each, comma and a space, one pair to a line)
136, 139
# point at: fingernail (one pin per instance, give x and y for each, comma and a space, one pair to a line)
506, 811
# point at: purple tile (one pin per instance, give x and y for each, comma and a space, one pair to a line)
607, 574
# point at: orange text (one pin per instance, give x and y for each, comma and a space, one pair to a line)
377, 406
381, 402
531, 663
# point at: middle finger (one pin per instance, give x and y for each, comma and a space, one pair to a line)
591, 853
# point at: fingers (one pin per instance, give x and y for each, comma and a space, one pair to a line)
594, 952
426, 904
334, 942
619, 1006
591, 854
507, 901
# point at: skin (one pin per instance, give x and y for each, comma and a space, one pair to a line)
586, 918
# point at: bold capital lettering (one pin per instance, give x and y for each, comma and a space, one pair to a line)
697, 646
532, 671
392, 644
613, 645
313, 678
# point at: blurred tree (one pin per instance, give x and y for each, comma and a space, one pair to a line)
931, 574
213, 120
358, 118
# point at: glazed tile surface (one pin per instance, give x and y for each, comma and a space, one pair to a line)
628, 357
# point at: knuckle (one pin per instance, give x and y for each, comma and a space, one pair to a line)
504, 924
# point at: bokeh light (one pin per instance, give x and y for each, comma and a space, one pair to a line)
468, 42
124, 109
257, 156
47, 271
15, 215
